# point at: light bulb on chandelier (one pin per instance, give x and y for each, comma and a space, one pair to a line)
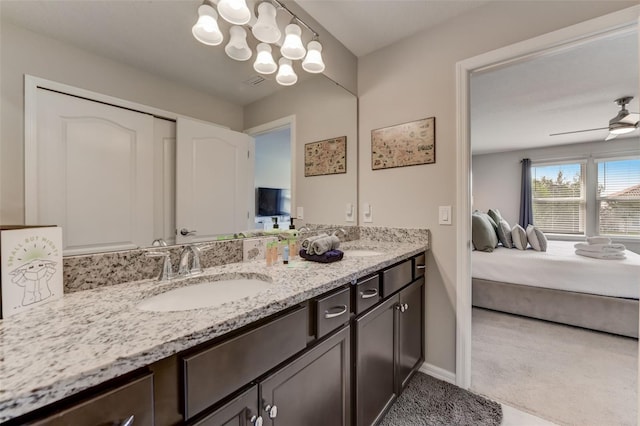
206, 30
286, 75
266, 27
234, 11
264, 63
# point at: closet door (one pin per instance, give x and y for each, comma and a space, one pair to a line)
94, 173
214, 177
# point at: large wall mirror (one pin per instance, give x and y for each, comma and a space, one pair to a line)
143, 53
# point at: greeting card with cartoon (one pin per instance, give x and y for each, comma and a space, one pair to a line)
31, 267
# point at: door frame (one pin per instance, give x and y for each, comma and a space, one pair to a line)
290, 122
565, 38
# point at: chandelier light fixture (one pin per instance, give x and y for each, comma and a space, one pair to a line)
266, 31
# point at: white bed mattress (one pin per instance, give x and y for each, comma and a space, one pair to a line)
560, 268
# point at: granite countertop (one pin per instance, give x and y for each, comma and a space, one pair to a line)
88, 337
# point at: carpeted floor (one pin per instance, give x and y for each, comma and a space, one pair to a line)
567, 375
431, 402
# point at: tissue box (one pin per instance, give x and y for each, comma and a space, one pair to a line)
30, 267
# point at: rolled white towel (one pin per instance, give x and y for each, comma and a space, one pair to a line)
307, 241
600, 248
600, 255
598, 240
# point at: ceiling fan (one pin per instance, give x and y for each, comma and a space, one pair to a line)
623, 122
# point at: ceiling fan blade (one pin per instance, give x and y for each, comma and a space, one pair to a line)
579, 131
631, 118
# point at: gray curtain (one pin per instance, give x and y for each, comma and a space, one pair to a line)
526, 200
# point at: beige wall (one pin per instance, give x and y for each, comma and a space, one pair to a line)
24, 52
323, 110
413, 79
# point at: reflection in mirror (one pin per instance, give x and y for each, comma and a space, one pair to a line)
162, 68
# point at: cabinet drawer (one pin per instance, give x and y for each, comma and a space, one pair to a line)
393, 279
214, 373
419, 266
367, 293
332, 311
131, 401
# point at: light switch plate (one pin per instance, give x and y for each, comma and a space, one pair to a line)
367, 213
444, 215
349, 216
299, 213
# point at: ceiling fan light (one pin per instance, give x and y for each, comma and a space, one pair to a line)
266, 28
237, 48
206, 30
234, 11
292, 47
286, 75
264, 63
313, 62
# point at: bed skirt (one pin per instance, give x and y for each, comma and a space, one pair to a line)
603, 313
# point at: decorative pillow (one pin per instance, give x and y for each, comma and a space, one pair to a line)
519, 236
536, 238
495, 215
486, 216
483, 235
504, 234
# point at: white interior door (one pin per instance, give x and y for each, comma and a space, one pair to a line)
94, 173
214, 174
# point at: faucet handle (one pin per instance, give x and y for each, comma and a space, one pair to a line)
166, 274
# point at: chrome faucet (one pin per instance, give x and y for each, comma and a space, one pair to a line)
184, 267
166, 273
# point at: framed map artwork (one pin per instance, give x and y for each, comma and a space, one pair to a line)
406, 144
326, 157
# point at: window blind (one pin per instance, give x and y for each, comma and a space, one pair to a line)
559, 197
619, 197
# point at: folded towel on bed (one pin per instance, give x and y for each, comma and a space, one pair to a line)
323, 245
598, 240
600, 255
307, 241
328, 257
601, 248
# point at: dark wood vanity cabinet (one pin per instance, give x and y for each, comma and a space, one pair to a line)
243, 410
389, 344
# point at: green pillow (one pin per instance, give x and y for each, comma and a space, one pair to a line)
483, 234
504, 234
495, 215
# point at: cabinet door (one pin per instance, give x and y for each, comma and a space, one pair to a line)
375, 357
240, 411
410, 332
313, 390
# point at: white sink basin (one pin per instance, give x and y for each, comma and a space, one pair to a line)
362, 253
204, 295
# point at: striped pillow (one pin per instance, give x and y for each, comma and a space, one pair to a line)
519, 236
536, 238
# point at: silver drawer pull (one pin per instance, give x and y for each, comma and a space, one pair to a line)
342, 310
128, 421
368, 294
421, 266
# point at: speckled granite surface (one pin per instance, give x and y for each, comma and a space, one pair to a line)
88, 337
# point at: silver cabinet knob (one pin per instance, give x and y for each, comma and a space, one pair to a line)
128, 421
406, 307
402, 307
185, 232
256, 420
273, 412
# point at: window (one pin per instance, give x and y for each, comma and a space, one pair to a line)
618, 197
559, 197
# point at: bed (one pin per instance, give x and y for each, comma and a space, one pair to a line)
560, 286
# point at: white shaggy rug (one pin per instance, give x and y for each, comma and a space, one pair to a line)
564, 374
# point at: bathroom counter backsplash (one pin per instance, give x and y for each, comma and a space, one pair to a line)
85, 272
88, 337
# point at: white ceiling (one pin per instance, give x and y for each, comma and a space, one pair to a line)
519, 106
364, 26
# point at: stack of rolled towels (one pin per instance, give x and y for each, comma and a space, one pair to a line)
321, 248
600, 248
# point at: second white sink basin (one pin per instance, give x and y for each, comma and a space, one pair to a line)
204, 295
362, 253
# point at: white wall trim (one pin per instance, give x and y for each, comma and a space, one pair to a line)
614, 23
290, 122
438, 373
